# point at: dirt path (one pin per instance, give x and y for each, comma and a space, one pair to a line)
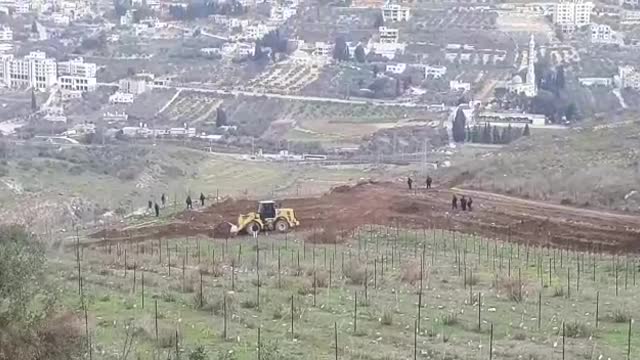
391, 204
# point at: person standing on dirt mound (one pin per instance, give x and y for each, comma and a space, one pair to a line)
163, 199
409, 182
202, 198
157, 209
454, 202
463, 203
469, 202
429, 181
189, 203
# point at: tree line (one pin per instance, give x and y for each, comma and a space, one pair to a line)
485, 134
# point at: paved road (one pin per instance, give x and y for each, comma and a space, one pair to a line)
205, 89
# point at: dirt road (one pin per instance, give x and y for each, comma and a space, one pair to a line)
493, 215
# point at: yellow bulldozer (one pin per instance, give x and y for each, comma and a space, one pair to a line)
269, 217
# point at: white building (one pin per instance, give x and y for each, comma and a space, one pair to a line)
34, 70
513, 119
388, 35
121, 98
280, 14
60, 19
388, 51
322, 49
529, 86
395, 12
596, 81
6, 40
571, 14
133, 86
398, 68
629, 76
22, 7
434, 71
77, 75
6, 34
456, 85
629, 17
602, 34
254, 32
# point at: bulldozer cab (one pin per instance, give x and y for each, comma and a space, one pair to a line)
267, 209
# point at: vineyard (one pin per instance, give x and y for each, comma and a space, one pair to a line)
369, 292
192, 108
285, 78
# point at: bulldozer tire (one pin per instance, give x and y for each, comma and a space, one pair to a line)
282, 226
252, 227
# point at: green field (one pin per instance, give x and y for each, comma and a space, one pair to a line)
379, 266
44, 184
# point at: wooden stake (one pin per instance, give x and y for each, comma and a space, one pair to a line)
491, 343
335, 335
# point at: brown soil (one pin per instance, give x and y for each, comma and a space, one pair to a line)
392, 204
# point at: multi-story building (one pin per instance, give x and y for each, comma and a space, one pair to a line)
254, 32
630, 17
395, 12
6, 40
571, 14
6, 34
629, 77
22, 7
434, 71
133, 86
322, 49
601, 33
77, 75
281, 14
121, 98
396, 68
388, 35
34, 70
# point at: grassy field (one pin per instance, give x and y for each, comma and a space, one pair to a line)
379, 266
595, 165
63, 184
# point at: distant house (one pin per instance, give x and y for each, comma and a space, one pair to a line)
398, 68
456, 85
121, 98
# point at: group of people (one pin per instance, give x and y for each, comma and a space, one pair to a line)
163, 199
428, 182
466, 203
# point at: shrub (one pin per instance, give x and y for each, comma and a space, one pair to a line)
387, 318
249, 304
355, 273
558, 292
576, 329
471, 280
449, 319
512, 288
411, 273
621, 316
321, 279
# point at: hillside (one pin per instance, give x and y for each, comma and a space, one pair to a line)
595, 166
44, 184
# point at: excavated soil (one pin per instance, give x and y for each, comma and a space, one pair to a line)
493, 215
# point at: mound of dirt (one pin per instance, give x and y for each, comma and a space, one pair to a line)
222, 230
348, 207
408, 208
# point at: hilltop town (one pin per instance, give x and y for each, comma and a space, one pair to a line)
206, 70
